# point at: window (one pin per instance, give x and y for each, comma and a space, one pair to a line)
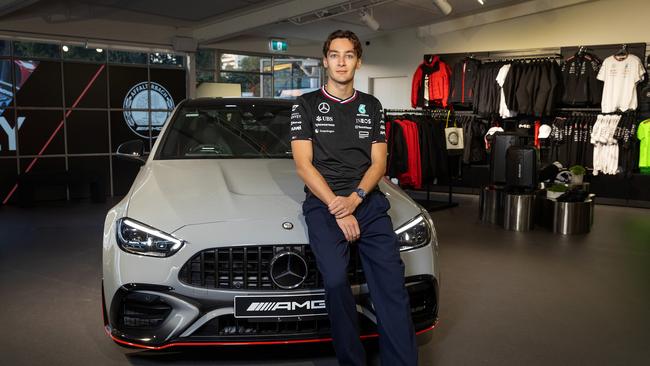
168, 59
125, 57
36, 50
247, 130
205, 66
83, 53
5, 47
295, 76
268, 76
75, 105
252, 85
232, 62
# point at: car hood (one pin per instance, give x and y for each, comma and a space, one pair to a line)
172, 194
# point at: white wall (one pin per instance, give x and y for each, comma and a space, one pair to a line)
597, 22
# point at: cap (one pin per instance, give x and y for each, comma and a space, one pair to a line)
544, 131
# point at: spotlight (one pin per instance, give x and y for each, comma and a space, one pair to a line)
369, 20
481, 2
99, 50
65, 48
443, 5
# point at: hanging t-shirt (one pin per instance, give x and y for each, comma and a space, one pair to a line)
504, 112
643, 133
620, 77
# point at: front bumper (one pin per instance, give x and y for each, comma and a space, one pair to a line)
158, 317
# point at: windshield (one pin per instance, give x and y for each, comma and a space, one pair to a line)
228, 132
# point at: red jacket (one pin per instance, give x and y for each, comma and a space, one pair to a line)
413, 176
433, 76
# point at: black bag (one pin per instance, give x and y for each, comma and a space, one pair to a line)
521, 167
500, 144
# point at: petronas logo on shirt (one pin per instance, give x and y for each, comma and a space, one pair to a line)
362, 108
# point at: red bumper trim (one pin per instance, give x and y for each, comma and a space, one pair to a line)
257, 343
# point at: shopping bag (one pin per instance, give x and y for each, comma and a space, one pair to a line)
453, 135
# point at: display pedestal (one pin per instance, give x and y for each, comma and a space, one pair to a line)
491, 203
573, 217
518, 212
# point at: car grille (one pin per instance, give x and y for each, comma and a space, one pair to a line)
227, 326
249, 267
143, 311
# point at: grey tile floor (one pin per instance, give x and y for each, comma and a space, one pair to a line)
506, 299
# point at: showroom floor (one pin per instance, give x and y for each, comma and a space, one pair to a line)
507, 298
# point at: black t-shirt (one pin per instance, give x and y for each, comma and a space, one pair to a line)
342, 132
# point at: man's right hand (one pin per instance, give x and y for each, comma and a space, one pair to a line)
350, 227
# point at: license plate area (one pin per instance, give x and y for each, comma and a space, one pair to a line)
280, 306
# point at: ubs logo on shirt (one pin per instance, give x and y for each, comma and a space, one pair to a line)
324, 107
364, 134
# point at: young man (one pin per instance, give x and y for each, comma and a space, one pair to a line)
339, 146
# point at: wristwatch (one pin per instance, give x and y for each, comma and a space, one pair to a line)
361, 193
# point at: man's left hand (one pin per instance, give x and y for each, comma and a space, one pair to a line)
342, 206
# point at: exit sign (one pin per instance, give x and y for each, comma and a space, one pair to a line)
278, 45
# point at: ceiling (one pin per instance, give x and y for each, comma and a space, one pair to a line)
391, 15
221, 20
173, 13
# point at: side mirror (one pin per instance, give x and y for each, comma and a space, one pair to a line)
133, 151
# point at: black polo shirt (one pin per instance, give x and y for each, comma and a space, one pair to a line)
342, 132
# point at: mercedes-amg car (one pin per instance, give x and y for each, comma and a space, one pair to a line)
210, 247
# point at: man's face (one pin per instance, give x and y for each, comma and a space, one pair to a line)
341, 61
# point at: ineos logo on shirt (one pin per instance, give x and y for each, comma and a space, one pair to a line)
324, 107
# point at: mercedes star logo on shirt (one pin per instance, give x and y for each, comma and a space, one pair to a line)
324, 107
288, 270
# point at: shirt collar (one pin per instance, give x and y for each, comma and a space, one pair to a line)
342, 101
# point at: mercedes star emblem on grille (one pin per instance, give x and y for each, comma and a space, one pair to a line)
288, 270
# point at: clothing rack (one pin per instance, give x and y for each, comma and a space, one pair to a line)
429, 204
594, 111
539, 57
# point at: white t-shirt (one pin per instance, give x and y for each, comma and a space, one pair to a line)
501, 79
620, 77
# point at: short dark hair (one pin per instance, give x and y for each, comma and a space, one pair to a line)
343, 34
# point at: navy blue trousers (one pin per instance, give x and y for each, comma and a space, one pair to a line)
384, 270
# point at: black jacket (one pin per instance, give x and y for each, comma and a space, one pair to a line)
462, 82
397, 151
581, 87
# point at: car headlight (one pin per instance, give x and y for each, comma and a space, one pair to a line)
138, 238
414, 234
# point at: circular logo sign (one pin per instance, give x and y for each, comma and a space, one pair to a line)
139, 98
453, 138
323, 107
288, 270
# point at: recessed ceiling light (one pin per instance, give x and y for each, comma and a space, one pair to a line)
99, 50
481, 2
65, 48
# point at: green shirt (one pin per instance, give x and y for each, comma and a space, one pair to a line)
643, 133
